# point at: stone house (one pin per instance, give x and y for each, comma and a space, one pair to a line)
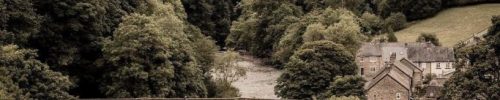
395, 81
429, 58
394, 70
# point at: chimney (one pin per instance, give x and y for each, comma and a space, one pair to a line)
392, 59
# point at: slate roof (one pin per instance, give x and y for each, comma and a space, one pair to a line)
394, 71
416, 52
370, 49
430, 54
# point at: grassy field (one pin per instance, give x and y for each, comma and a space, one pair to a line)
452, 25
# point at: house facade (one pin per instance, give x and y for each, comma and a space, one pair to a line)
393, 70
394, 81
431, 59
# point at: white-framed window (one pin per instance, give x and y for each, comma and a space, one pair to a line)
448, 66
362, 71
438, 66
398, 96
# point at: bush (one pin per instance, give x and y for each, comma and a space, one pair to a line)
371, 23
429, 37
391, 37
223, 89
396, 21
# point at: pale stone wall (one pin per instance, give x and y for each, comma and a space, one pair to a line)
387, 89
437, 68
369, 66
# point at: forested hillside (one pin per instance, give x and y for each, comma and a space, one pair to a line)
67, 49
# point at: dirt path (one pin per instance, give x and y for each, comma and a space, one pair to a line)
259, 81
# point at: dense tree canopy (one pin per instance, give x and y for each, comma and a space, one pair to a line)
479, 71
312, 68
157, 51
99, 48
24, 77
213, 17
337, 25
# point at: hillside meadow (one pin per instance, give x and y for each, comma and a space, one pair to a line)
452, 25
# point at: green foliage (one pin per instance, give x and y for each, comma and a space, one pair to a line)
18, 21
312, 68
396, 21
223, 89
428, 78
418, 9
357, 6
261, 24
479, 78
371, 23
154, 53
348, 86
337, 25
429, 37
24, 77
391, 37
213, 17
226, 67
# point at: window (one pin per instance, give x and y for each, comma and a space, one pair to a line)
398, 96
372, 59
362, 71
373, 69
438, 66
448, 66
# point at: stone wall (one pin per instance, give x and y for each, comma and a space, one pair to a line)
369, 66
387, 89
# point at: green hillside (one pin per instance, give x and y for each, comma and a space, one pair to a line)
452, 25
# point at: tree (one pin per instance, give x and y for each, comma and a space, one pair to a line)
479, 78
428, 37
226, 71
18, 21
396, 21
152, 55
337, 25
213, 17
261, 24
391, 37
24, 77
348, 86
226, 67
312, 68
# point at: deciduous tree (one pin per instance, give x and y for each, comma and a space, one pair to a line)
312, 68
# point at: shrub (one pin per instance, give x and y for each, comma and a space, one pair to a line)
396, 21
